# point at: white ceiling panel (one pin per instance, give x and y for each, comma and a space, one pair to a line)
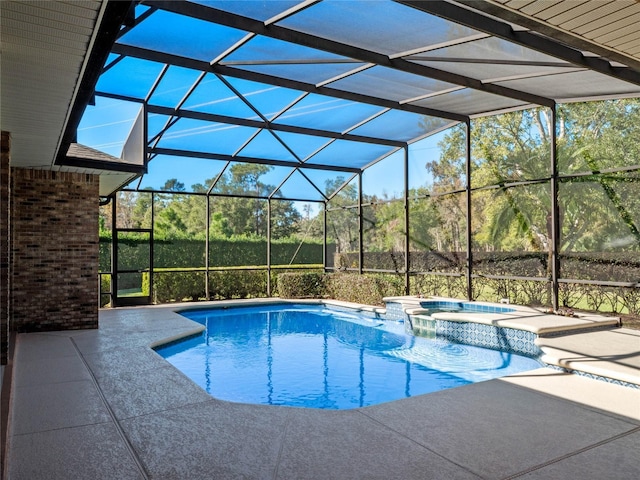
557, 10
612, 24
539, 6
606, 16
586, 13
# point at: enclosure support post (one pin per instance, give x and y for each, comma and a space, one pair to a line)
151, 242
114, 250
407, 246
360, 227
206, 246
268, 247
469, 266
324, 236
555, 214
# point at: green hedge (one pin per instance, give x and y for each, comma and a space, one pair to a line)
438, 285
178, 286
368, 288
601, 266
372, 288
222, 253
170, 286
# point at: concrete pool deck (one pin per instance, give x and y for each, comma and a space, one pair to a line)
100, 404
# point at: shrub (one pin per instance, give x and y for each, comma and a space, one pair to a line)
439, 285
105, 289
369, 289
301, 285
224, 284
178, 286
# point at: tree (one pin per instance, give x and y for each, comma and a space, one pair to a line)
310, 224
285, 219
180, 215
169, 224
515, 147
134, 210
173, 185
608, 139
248, 216
342, 217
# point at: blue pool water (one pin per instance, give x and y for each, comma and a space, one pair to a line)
454, 306
318, 357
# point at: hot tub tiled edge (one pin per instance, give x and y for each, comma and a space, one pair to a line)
489, 336
464, 329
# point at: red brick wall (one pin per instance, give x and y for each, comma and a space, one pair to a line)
54, 250
4, 247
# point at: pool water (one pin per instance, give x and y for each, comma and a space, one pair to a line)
318, 357
455, 306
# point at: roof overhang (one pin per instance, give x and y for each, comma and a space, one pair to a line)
52, 55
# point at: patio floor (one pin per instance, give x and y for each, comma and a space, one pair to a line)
100, 404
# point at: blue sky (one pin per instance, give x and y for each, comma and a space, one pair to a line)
106, 126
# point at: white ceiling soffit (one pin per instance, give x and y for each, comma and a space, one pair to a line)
110, 181
113, 181
45, 46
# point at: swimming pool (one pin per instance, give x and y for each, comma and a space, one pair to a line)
319, 357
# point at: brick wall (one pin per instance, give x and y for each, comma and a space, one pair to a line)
4, 246
54, 250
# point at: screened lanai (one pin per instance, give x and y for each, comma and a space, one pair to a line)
352, 136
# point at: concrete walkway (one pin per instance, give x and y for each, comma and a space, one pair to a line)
101, 404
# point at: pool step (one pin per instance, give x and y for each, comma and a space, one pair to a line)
591, 353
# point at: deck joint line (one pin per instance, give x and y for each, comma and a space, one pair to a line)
413, 440
281, 449
121, 432
572, 454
